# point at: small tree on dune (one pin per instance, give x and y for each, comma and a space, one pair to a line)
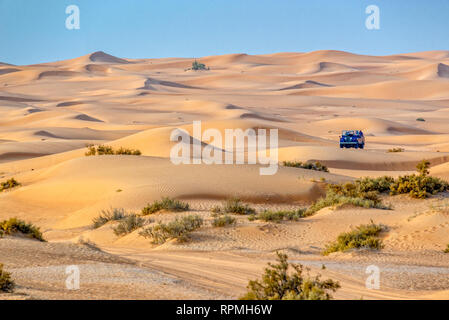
423, 167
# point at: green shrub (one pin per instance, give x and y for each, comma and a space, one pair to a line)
165, 204
278, 283
108, 150
363, 188
364, 192
419, 186
278, 216
396, 150
420, 119
178, 229
363, 236
317, 166
128, 224
113, 214
380, 184
235, 206
198, 66
447, 249
8, 184
15, 225
6, 283
223, 221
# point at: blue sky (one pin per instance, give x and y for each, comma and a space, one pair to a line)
33, 31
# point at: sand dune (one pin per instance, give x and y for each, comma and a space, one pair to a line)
361, 159
306, 84
371, 126
47, 74
101, 57
97, 68
8, 70
429, 72
96, 180
401, 90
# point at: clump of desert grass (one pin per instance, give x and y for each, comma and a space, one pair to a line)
223, 221
317, 166
8, 184
100, 150
234, 206
13, 226
6, 282
280, 215
165, 204
363, 236
393, 150
112, 214
288, 281
128, 224
178, 229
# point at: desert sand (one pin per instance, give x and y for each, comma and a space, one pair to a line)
50, 111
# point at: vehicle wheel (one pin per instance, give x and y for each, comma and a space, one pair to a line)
362, 146
341, 146
356, 146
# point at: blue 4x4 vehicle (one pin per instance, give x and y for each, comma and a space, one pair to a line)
352, 139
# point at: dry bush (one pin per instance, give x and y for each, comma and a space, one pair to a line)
223, 221
113, 214
9, 184
363, 236
165, 204
128, 224
234, 206
108, 150
6, 282
280, 215
14, 225
317, 166
179, 229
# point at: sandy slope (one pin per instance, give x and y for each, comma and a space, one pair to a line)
49, 112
